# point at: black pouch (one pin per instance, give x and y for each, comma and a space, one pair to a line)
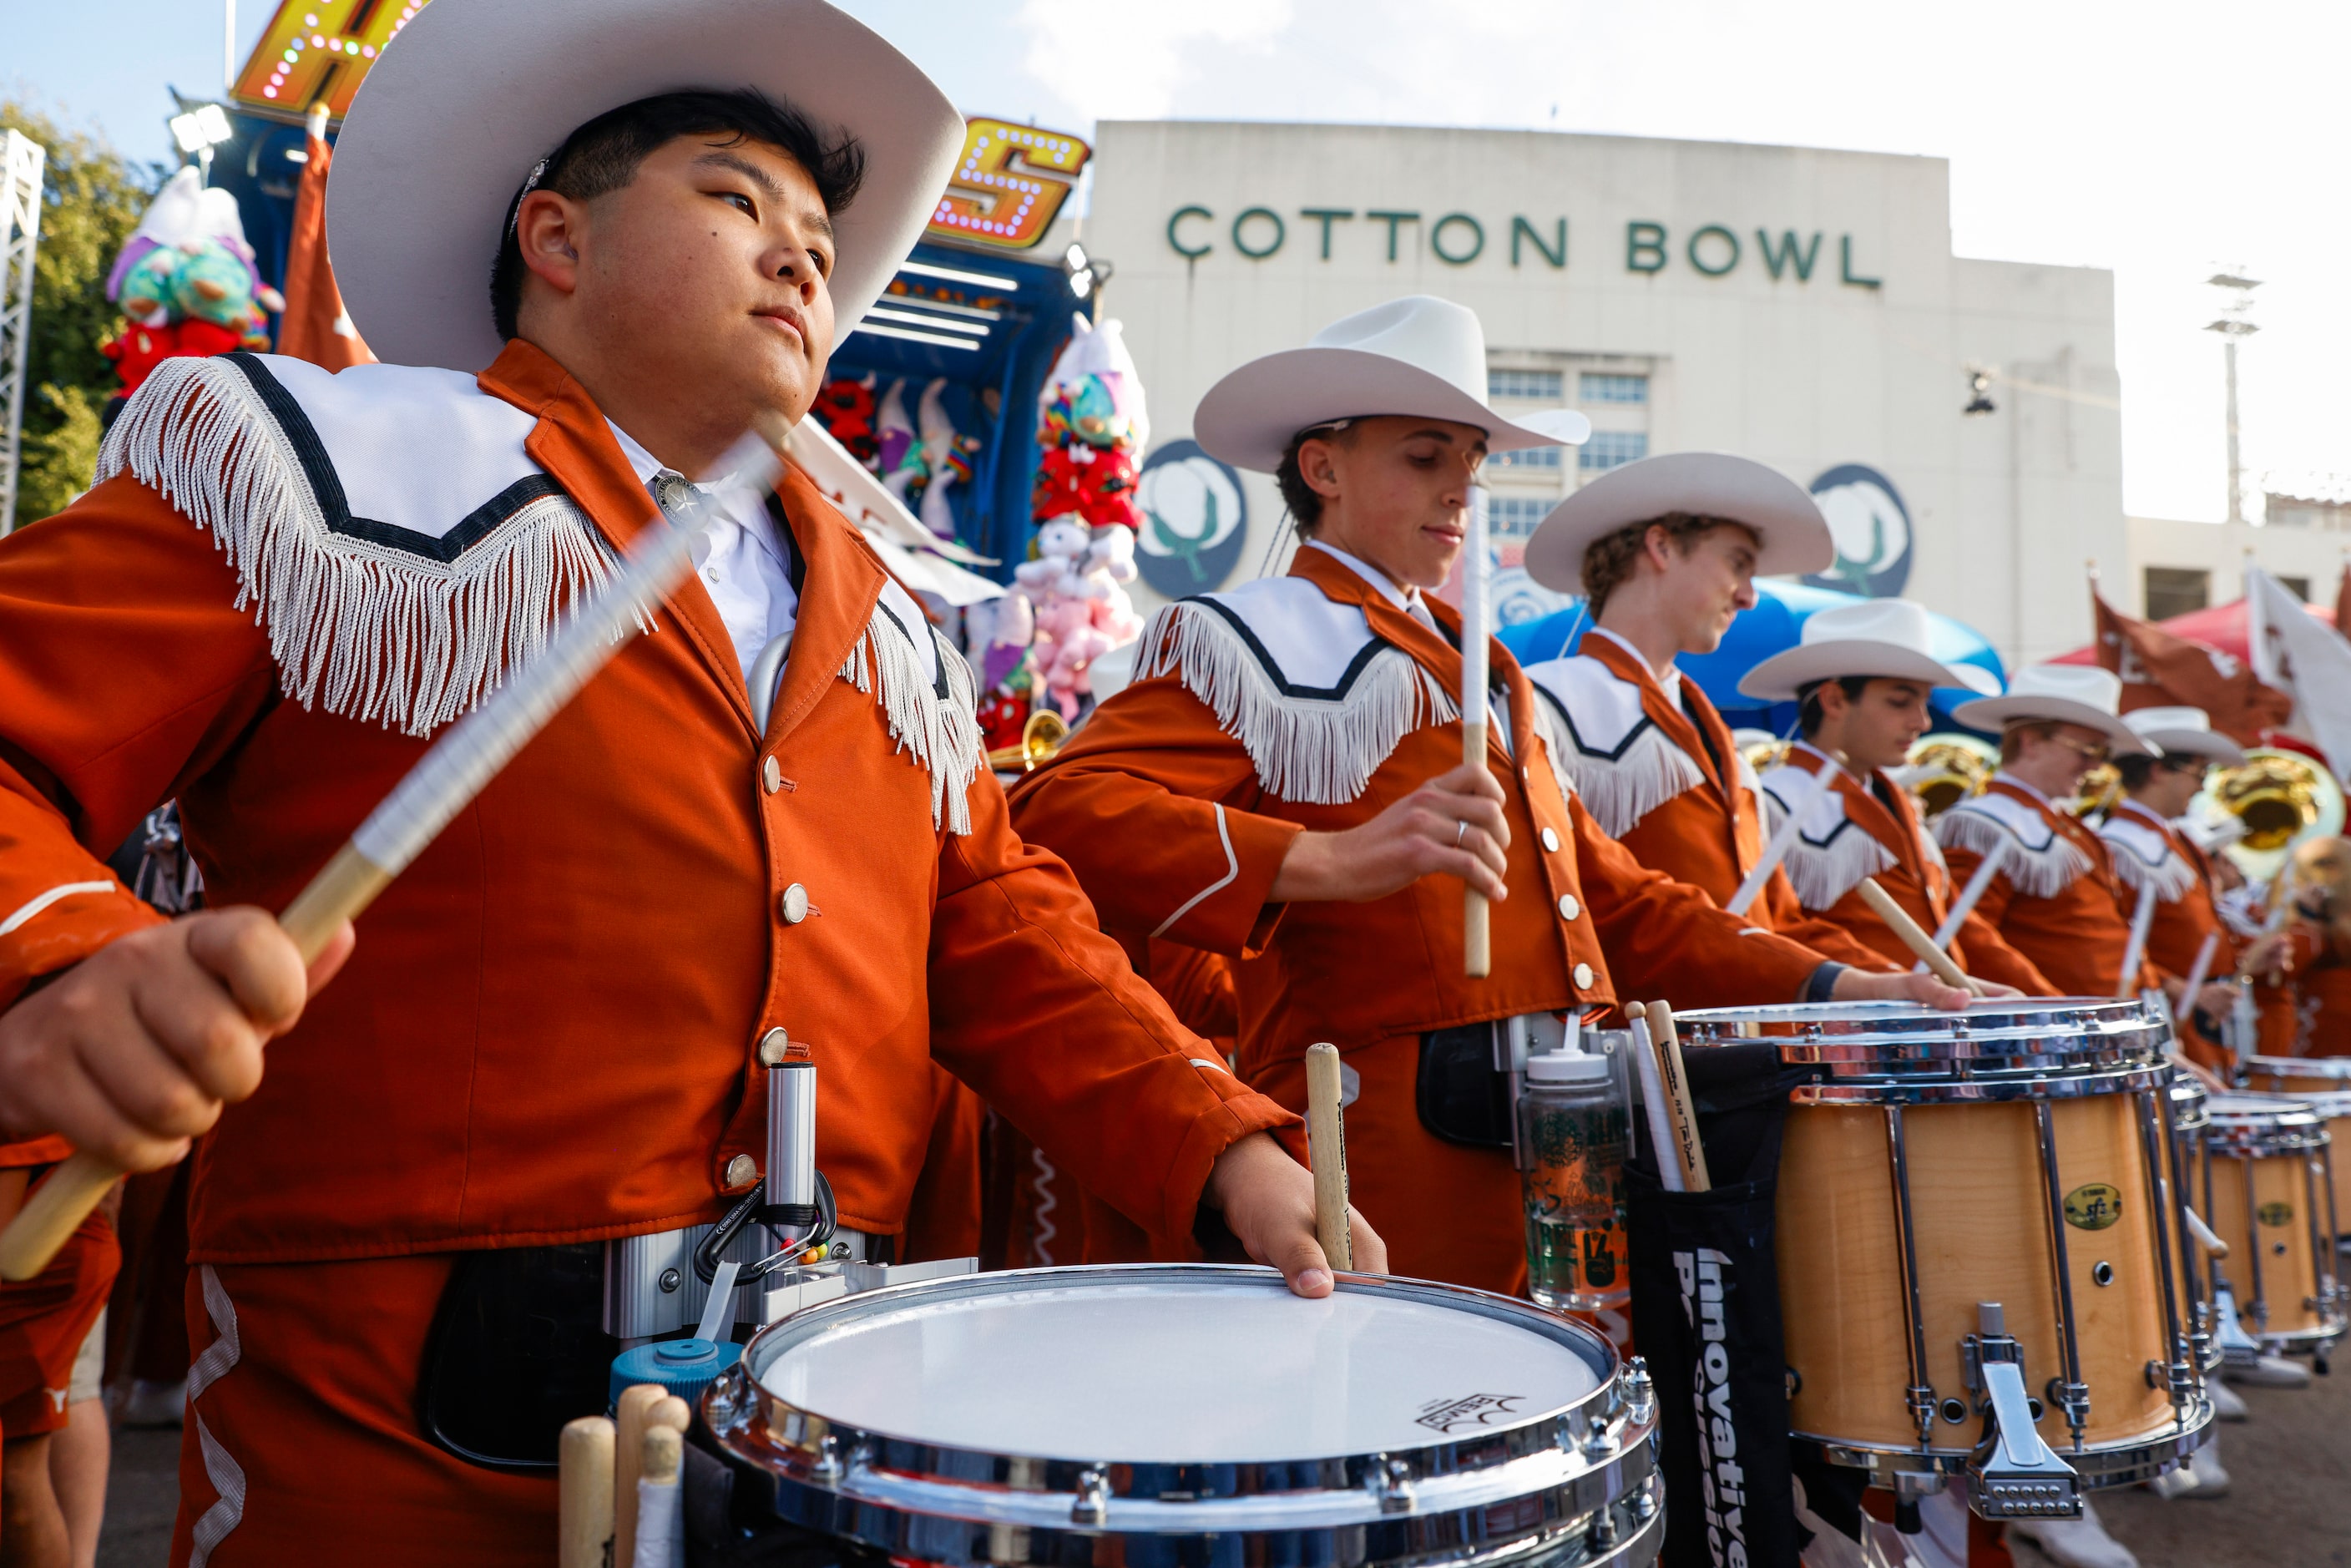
1459, 1095
1706, 1314
517, 1348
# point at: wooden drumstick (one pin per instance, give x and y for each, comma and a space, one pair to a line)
1477, 928
629, 1419
1914, 936
672, 1413
585, 1490
443, 782
1688, 1148
1784, 840
1654, 1110
1326, 1151
659, 1462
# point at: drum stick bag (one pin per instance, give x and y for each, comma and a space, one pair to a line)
1706, 1314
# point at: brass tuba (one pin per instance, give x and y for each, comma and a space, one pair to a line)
2099, 792
1945, 769
2277, 799
1041, 739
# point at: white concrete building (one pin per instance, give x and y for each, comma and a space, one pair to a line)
1797, 305
2176, 567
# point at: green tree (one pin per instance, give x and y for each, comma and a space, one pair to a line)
92, 197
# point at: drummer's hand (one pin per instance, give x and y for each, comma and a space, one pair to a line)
1421, 835
2271, 954
135, 1049
1861, 986
2217, 1001
1267, 1199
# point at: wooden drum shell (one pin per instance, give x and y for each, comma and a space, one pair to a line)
1982, 1214
2329, 1092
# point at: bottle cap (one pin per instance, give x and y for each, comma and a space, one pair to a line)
1566, 1067
684, 1366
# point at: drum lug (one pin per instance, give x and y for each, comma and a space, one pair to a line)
1390, 1480
828, 1470
1597, 1443
1090, 1505
2016, 1476
1640, 1393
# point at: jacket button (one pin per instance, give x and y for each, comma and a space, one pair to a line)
1568, 908
771, 776
774, 1046
1550, 840
793, 905
741, 1172
1583, 977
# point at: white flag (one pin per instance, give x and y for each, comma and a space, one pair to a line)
2296, 652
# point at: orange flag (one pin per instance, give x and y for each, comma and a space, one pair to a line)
2163, 669
314, 326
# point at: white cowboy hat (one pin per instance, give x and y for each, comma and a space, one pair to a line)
1795, 537
473, 93
2185, 731
2060, 693
1417, 356
1888, 637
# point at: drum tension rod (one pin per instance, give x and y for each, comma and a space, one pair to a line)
1920, 1394
2071, 1393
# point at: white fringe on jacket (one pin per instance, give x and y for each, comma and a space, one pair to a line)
2042, 871
943, 733
368, 633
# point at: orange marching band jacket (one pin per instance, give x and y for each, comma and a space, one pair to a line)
284, 583
2148, 851
1314, 702
2055, 899
1855, 830
1662, 776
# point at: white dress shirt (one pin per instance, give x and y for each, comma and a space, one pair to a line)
741, 562
1670, 680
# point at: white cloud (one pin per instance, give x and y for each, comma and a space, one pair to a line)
1129, 61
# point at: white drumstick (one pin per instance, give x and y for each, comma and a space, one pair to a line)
443, 782
1970, 895
2127, 985
1478, 956
1784, 840
2196, 975
1653, 1101
1326, 1153
660, 1525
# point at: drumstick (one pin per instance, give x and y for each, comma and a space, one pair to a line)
1987, 869
2135, 949
585, 1489
1784, 839
443, 782
2205, 1236
1897, 919
658, 1521
1326, 1150
1653, 1101
1678, 1097
1477, 941
628, 1420
2197, 972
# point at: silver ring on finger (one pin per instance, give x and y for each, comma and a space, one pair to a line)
1461, 835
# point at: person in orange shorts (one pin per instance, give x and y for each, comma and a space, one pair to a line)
43, 1322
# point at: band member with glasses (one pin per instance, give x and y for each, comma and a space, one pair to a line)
2055, 898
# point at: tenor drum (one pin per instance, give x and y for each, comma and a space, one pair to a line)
1162, 1414
1937, 1162
2193, 1266
2267, 1192
2324, 1082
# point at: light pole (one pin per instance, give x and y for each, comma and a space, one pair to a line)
2234, 322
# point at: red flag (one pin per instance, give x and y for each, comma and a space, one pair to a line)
314, 326
2161, 669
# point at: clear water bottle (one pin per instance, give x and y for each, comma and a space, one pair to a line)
1572, 1123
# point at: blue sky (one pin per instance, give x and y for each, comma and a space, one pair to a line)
2157, 137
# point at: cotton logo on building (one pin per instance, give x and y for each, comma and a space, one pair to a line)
1871, 527
1193, 520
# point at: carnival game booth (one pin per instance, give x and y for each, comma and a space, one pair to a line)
1774, 626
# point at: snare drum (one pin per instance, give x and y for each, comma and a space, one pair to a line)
1157, 1415
2266, 1191
2324, 1082
1938, 1162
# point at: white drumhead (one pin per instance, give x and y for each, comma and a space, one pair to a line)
2257, 1110
1226, 1371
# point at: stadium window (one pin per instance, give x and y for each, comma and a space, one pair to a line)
2175, 590
1594, 386
1516, 516
1527, 457
1547, 386
1612, 449
2297, 586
